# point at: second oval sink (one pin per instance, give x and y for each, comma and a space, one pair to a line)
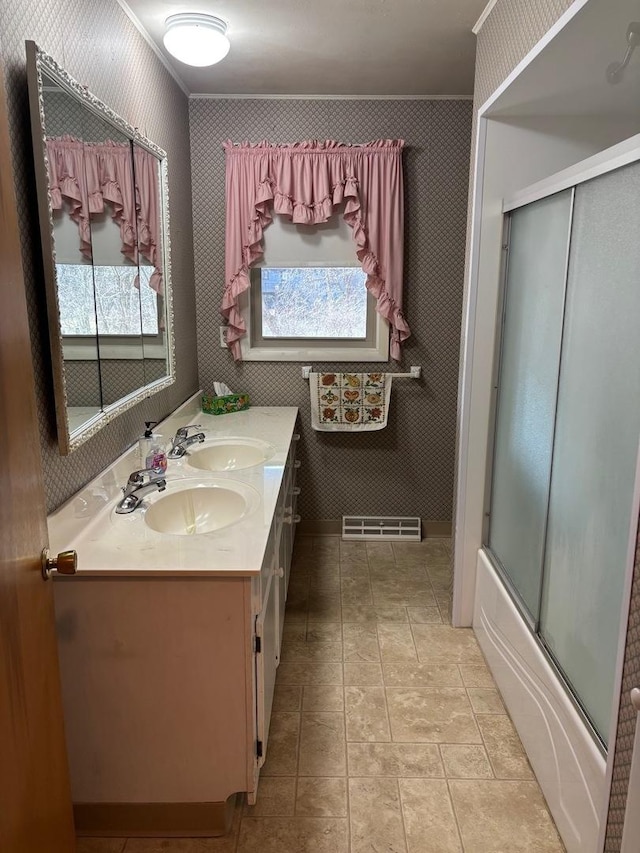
230, 454
199, 509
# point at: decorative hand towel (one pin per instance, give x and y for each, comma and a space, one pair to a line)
349, 402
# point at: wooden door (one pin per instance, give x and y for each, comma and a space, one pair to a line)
35, 799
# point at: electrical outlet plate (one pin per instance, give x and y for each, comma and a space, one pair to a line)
223, 336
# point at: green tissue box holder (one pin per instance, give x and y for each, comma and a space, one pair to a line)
213, 405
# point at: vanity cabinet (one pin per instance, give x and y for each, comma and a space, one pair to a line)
168, 686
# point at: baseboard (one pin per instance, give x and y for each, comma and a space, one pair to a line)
153, 820
333, 527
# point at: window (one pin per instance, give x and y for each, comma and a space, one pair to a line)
308, 299
116, 304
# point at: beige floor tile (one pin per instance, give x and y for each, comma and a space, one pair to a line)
309, 673
297, 602
409, 554
322, 697
276, 797
324, 584
322, 745
323, 567
443, 600
321, 797
424, 614
396, 642
401, 674
441, 578
353, 554
360, 642
363, 674
225, 844
414, 575
503, 817
444, 644
295, 631
351, 568
437, 547
376, 816
394, 759
287, 698
398, 591
296, 617
380, 551
100, 845
476, 675
436, 715
323, 631
324, 608
485, 700
366, 714
304, 544
355, 590
294, 835
352, 548
319, 651
282, 747
374, 613
429, 821
504, 748
465, 761
327, 544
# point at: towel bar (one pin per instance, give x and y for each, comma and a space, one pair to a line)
415, 373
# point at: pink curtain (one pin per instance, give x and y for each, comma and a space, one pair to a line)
74, 178
148, 210
305, 181
116, 183
88, 174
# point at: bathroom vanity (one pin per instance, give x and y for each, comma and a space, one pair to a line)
169, 642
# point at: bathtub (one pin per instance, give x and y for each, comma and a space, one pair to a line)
569, 765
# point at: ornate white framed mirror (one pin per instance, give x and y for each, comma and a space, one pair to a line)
104, 219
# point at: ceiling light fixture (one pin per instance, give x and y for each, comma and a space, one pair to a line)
196, 39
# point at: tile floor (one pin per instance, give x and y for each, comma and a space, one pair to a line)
388, 734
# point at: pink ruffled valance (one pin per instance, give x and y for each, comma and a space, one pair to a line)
305, 181
89, 174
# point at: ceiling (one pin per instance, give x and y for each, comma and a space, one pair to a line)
329, 47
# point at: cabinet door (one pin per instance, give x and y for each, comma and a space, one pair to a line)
280, 580
267, 639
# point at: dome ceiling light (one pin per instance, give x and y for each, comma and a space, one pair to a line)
196, 39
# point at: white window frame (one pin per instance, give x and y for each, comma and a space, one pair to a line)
374, 348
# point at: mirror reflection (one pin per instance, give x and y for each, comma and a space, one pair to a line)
105, 214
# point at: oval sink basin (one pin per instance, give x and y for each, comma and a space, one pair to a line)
194, 510
230, 454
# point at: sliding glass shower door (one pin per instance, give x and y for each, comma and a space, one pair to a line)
568, 424
530, 357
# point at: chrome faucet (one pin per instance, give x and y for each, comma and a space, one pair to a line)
182, 440
139, 484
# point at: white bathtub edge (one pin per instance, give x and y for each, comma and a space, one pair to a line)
568, 765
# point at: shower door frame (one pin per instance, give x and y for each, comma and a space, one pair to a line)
609, 160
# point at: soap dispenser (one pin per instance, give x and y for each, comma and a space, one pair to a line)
152, 452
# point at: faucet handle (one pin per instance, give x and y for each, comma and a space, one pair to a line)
183, 432
136, 478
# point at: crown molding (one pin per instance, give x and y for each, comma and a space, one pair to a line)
483, 17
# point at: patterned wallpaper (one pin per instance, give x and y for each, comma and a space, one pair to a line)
99, 46
118, 378
508, 34
407, 468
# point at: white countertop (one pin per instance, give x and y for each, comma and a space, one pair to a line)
123, 545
